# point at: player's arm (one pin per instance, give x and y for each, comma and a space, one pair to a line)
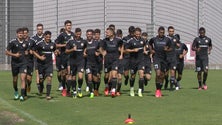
70, 48
130, 49
210, 46
9, 53
36, 54
195, 46
185, 51
102, 48
58, 42
168, 48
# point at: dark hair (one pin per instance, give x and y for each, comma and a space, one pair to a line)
144, 34
67, 21
178, 36
89, 30
19, 30
78, 30
62, 30
170, 27
137, 29
47, 33
161, 28
111, 29
131, 29
202, 29
39, 25
119, 32
25, 29
97, 31
111, 25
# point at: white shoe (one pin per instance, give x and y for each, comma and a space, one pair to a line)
132, 92
177, 88
87, 89
60, 88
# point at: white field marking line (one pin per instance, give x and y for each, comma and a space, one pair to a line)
22, 112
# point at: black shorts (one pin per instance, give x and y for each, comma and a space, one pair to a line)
30, 68
45, 70
35, 63
180, 67
110, 64
136, 65
202, 63
62, 62
76, 67
92, 69
171, 63
18, 68
126, 64
159, 63
120, 67
148, 69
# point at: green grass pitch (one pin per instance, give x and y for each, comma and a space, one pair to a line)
187, 106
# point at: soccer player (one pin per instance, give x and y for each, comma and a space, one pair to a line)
181, 51
75, 48
30, 59
136, 48
159, 45
43, 52
112, 50
171, 60
126, 56
97, 33
37, 38
91, 53
17, 49
62, 58
202, 45
147, 60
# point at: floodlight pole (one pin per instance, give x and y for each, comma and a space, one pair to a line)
6, 28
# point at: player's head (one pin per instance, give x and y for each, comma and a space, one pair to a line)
170, 30
137, 33
161, 31
20, 33
39, 28
145, 35
119, 33
178, 36
78, 33
110, 33
47, 36
113, 27
202, 31
68, 25
97, 33
89, 34
26, 33
62, 30
131, 30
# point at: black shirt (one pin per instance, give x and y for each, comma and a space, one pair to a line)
126, 40
203, 43
91, 48
173, 40
179, 51
16, 46
46, 49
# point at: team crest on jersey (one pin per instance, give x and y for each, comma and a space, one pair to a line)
174, 40
23, 45
141, 42
206, 41
51, 47
82, 44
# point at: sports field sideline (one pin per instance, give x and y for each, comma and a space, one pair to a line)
186, 106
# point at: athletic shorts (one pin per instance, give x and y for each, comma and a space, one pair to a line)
120, 67
45, 70
92, 69
76, 67
201, 63
62, 62
171, 63
110, 64
30, 68
136, 65
159, 63
180, 67
18, 68
126, 64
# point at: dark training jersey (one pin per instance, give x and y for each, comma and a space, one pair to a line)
126, 40
203, 43
63, 38
112, 47
77, 55
179, 51
16, 46
139, 44
37, 38
31, 45
46, 49
158, 45
173, 40
91, 48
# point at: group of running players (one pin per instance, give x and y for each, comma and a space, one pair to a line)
118, 56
